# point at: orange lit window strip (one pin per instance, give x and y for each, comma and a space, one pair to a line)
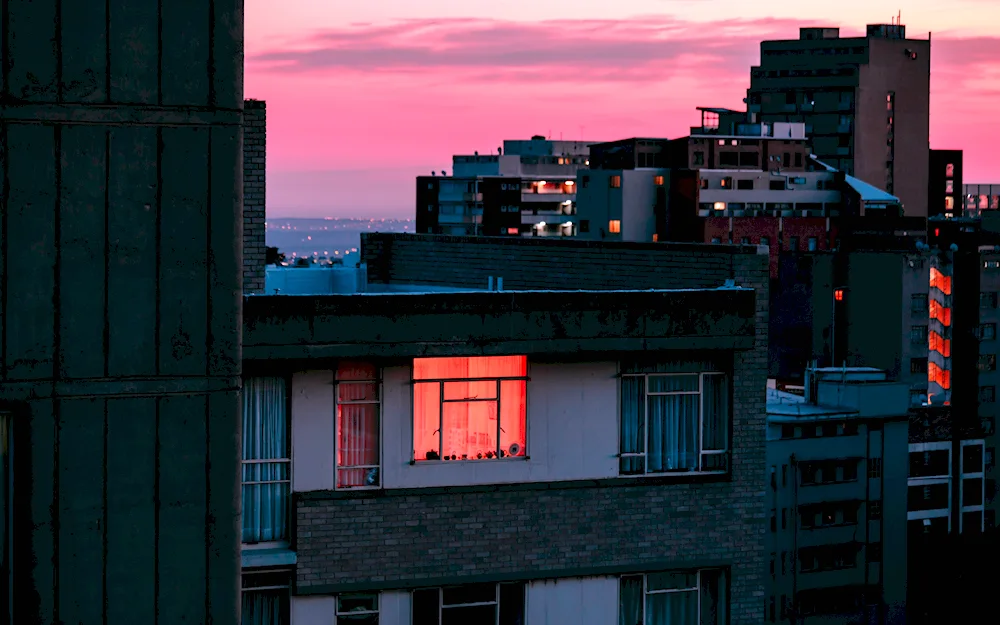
939, 376
940, 281
940, 313
939, 344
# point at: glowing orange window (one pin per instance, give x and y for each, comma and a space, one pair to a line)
469, 408
357, 441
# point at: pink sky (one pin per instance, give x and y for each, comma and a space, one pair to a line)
363, 96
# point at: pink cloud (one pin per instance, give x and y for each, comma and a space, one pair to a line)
405, 95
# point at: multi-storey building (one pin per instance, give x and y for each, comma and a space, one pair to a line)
471, 457
837, 538
980, 197
865, 102
526, 188
945, 195
121, 274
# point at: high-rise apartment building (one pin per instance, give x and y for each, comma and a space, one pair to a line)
865, 102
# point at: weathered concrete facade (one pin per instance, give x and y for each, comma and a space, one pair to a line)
254, 194
398, 539
121, 278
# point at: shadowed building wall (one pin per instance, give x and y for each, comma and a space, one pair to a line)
121, 276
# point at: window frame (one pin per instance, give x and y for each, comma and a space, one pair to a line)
379, 386
981, 476
273, 544
441, 382
698, 589
702, 452
441, 605
290, 573
338, 614
912, 482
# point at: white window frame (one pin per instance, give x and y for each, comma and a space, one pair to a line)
337, 614
274, 544
496, 601
919, 515
440, 382
702, 452
697, 589
378, 381
981, 476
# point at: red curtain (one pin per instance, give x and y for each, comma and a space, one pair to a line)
357, 425
456, 418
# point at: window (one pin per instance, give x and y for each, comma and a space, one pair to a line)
679, 598
777, 185
988, 300
745, 184
829, 557
812, 244
987, 331
704, 183
793, 244
6, 516
469, 408
949, 186
745, 240
987, 362
828, 514
502, 604
949, 170
918, 303
828, 472
874, 467
615, 226
674, 418
932, 463
359, 609
358, 407
699, 159
798, 159
266, 461
615, 182
716, 239
729, 159
765, 240
918, 365
949, 203
584, 225
987, 394
658, 181
875, 510
918, 334
265, 597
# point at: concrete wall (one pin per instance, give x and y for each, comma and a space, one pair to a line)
254, 194
573, 600
121, 307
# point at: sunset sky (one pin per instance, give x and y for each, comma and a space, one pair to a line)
363, 96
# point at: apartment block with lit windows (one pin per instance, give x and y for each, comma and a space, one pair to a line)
421, 456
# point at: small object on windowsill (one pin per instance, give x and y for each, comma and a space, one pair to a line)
432, 455
479, 455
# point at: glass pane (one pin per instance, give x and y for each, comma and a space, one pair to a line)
355, 370
715, 413
630, 606
475, 367
470, 390
426, 421
512, 604
469, 430
633, 424
513, 418
673, 383
930, 463
470, 593
972, 522
713, 598
671, 581
357, 445
266, 502
472, 615
425, 606
265, 607
673, 433
668, 608
357, 391
972, 459
972, 492
357, 603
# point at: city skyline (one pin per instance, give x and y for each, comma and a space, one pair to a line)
361, 99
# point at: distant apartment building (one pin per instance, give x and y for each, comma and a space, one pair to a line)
980, 197
838, 517
525, 189
431, 452
945, 191
865, 102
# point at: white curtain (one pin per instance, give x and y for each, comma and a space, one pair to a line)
266, 461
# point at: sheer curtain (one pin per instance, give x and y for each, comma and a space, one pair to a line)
357, 425
630, 600
264, 607
633, 424
266, 461
673, 425
672, 608
715, 416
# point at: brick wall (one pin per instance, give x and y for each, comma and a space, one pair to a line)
254, 185
400, 540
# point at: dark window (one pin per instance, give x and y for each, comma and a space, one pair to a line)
987, 394
918, 303
798, 159
699, 158
786, 160
793, 243
745, 240
729, 159
918, 334
584, 181
988, 362
875, 552
584, 225
828, 557
987, 331
778, 185
875, 510
749, 159
266, 597
765, 240
918, 365
472, 603
932, 463
988, 299
874, 467
745, 184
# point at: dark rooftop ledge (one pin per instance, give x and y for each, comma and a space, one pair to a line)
495, 323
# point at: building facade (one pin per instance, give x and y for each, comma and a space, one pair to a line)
121, 339
838, 518
865, 102
254, 194
980, 197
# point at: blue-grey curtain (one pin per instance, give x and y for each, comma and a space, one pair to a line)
715, 414
265, 484
630, 601
633, 427
265, 607
672, 608
673, 424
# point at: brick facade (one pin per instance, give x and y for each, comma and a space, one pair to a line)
399, 540
254, 193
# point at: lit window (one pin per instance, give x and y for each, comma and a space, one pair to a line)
615, 226
949, 202
513, 230
658, 181
615, 182
469, 408
686, 596
265, 597
359, 608
812, 244
949, 186
471, 603
674, 418
719, 206
358, 406
949, 170
266, 461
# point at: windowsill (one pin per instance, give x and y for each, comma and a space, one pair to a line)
268, 557
434, 463
273, 544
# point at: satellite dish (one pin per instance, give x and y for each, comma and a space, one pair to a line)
514, 449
